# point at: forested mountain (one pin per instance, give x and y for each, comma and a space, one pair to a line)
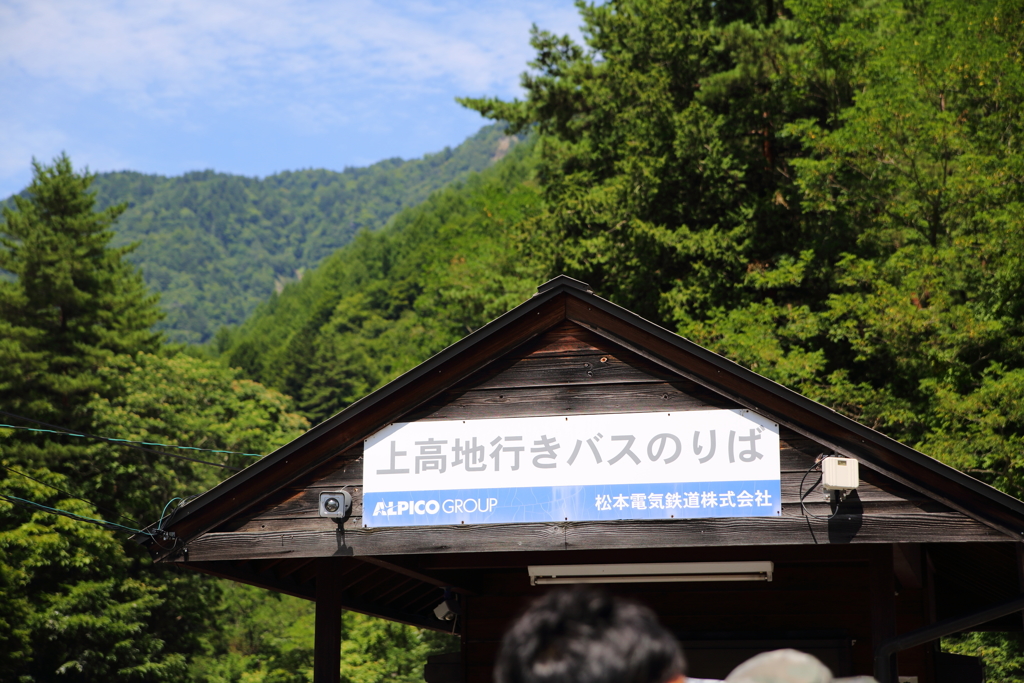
394, 297
214, 245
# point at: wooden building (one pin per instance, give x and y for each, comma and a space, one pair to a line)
919, 550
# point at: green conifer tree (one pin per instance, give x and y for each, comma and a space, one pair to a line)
72, 304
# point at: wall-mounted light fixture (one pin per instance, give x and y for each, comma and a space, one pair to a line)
449, 609
657, 572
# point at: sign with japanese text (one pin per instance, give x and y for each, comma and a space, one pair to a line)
707, 463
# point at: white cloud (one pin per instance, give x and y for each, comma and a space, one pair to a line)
154, 53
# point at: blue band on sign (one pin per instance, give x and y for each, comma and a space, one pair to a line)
573, 503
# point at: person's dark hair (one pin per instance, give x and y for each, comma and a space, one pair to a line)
587, 636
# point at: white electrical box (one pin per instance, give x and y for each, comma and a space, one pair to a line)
839, 474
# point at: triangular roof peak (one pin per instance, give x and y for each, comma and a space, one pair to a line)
566, 299
563, 281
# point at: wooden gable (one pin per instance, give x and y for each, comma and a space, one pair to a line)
571, 370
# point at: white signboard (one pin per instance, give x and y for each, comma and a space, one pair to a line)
708, 463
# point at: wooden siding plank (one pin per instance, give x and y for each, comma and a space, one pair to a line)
586, 368
922, 528
563, 339
304, 502
563, 400
795, 529
346, 470
236, 545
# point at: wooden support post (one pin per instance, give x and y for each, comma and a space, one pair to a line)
1020, 570
327, 640
883, 609
464, 634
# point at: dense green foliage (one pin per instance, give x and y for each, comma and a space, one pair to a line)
215, 245
77, 602
394, 297
1002, 653
77, 606
268, 638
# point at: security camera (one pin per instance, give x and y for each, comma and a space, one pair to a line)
335, 503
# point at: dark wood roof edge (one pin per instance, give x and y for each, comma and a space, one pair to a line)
563, 281
564, 285
397, 385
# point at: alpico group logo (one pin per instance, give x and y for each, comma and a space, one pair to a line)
450, 506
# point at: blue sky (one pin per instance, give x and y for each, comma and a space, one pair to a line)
252, 86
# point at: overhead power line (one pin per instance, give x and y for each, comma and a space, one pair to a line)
69, 495
112, 526
57, 429
107, 438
